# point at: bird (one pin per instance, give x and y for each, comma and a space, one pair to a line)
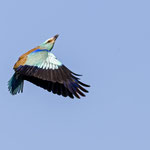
40, 67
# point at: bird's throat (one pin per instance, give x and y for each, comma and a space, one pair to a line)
48, 46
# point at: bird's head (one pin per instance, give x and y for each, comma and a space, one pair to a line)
49, 44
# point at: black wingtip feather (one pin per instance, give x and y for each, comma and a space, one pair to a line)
83, 84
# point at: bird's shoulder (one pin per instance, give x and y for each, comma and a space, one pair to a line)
23, 58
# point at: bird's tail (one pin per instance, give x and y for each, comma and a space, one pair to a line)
15, 84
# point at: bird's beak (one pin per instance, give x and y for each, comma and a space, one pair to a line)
55, 37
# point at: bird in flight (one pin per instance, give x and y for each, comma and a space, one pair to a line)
40, 67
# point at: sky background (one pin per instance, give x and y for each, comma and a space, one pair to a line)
108, 42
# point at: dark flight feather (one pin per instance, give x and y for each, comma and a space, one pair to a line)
60, 81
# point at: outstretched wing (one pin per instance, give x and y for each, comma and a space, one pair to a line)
43, 69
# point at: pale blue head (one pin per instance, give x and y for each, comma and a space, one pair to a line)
49, 44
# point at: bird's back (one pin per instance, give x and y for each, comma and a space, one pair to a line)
23, 58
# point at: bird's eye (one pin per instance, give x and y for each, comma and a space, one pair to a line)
49, 41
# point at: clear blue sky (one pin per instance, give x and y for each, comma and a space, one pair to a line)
106, 41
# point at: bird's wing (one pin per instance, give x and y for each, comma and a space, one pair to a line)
43, 65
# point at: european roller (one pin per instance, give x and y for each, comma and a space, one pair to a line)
40, 67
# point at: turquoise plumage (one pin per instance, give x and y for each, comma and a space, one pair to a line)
40, 67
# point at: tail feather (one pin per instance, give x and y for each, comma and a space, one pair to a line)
15, 84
